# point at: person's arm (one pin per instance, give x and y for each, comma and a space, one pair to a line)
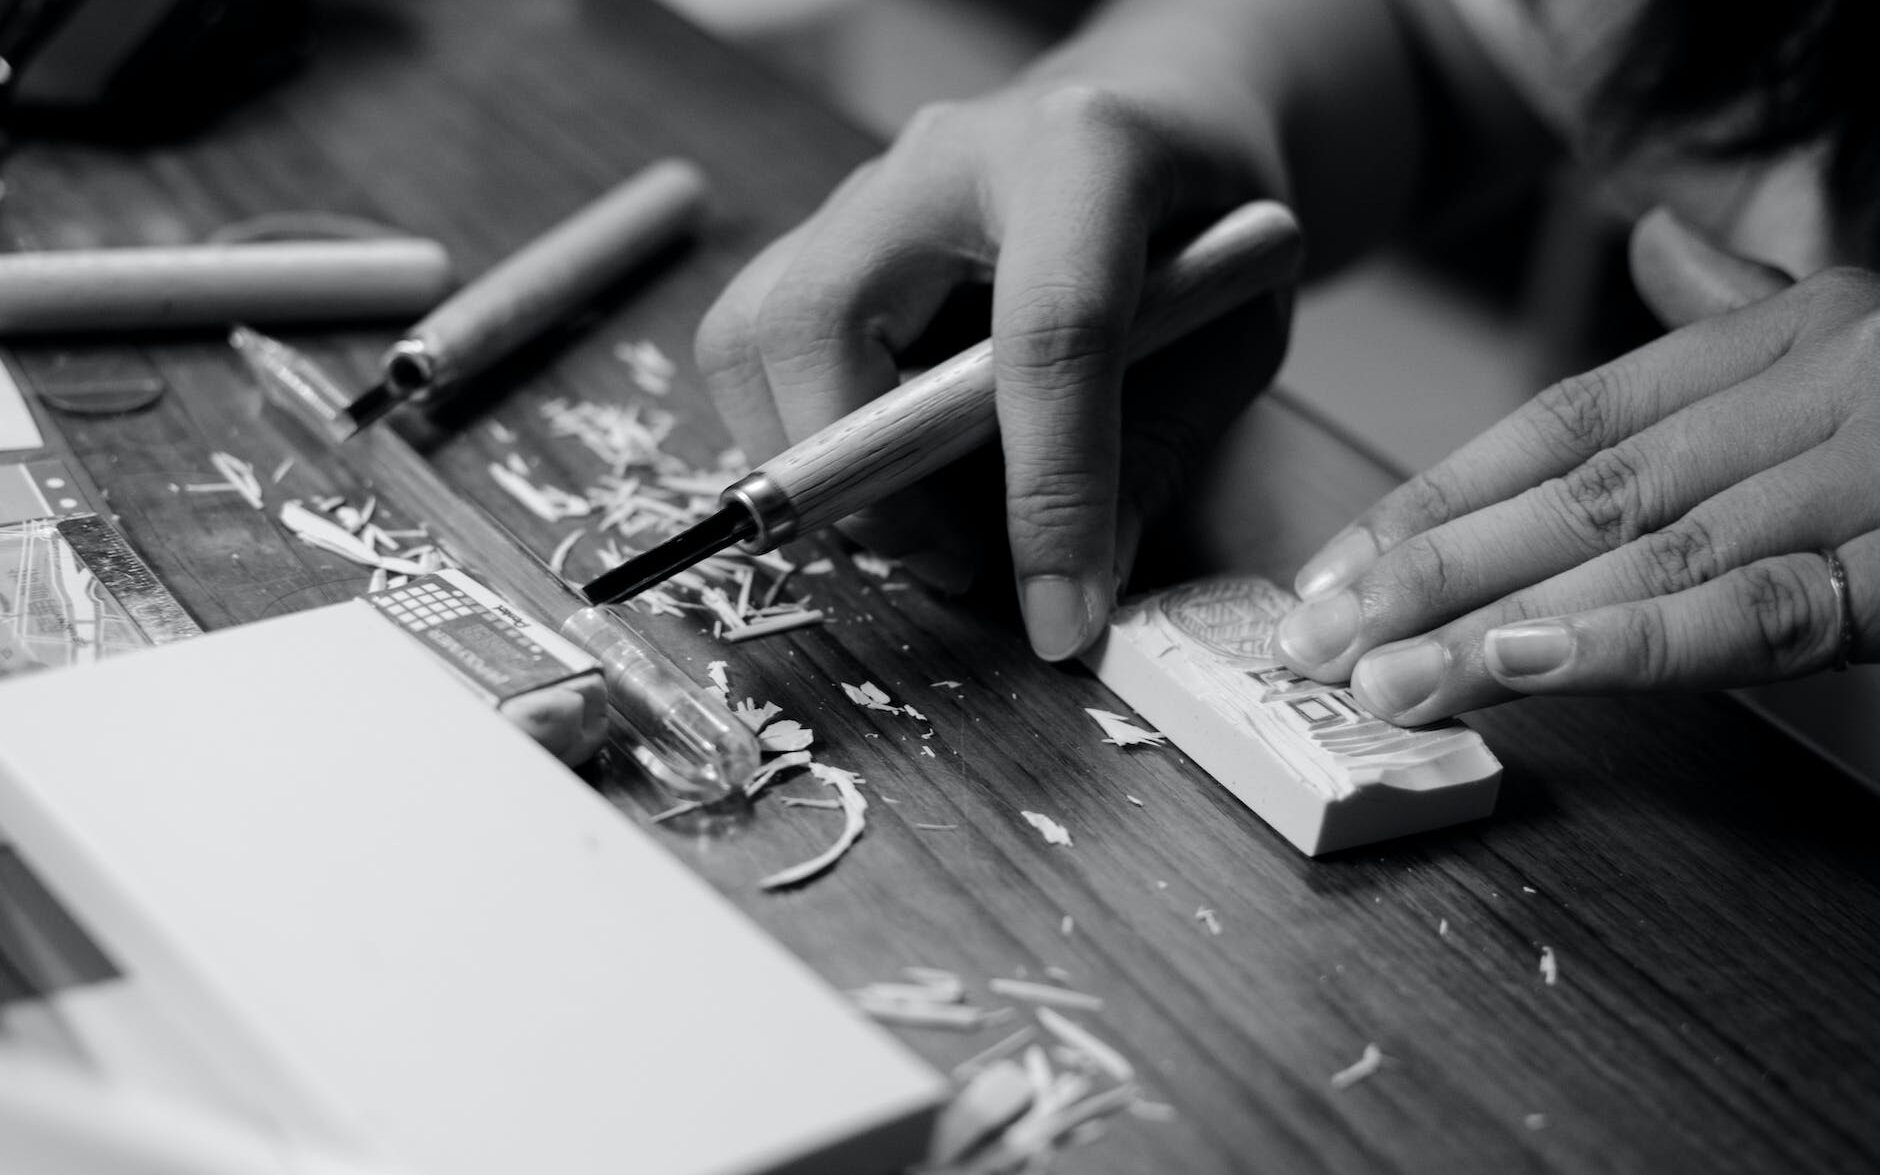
1159, 115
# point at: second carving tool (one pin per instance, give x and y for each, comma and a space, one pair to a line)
938, 417
526, 294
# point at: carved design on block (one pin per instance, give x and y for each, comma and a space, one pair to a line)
1233, 617
1196, 661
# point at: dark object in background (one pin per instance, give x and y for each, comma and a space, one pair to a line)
140, 68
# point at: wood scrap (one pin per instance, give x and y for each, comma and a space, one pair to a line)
995, 1098
1085, 1042
558, 560
855, 807
873, 564
1053, 832
802, 618
958, 1017
1368, 1063
1120, 731
241, 475
1010, 1046
548, 502
319, 531
772, 768
1044, 994
785, 735
753, 715
869, 696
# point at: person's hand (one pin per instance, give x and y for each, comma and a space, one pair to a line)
1657, 523
1056, 193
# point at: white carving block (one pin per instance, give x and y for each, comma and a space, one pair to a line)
1304, 756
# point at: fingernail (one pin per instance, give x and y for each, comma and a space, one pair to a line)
1337, 564
1317, 631
1060, 615
1393, 681
1527, 650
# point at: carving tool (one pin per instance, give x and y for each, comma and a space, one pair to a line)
69, 290
530, 291
940, 416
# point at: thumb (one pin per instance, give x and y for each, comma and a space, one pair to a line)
1684, 277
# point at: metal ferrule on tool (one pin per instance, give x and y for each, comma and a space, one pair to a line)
410, 369
770, 509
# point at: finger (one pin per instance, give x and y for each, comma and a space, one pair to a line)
1800, 504
1794, 505
729, 359
1065, 292
1773, 619
1618, 494
1684, 277
872, 269
1558, 429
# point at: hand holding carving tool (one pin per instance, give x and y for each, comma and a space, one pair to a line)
532, 290
938, 417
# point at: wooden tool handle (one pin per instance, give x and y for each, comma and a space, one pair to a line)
214, 285
538, 285
941, 415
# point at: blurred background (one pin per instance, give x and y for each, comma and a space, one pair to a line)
1408, 355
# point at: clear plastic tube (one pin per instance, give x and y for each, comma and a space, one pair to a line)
683, 735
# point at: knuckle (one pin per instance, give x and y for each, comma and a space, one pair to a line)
1642, 636
1080, 107
1057, 335
1122, 129
1601, 502
797, 321
1679, 557
724, 338
1775, 599
1844, 286
928, 119
1577, 413
1427, 572
1866, 336
1429, 499
1051, 505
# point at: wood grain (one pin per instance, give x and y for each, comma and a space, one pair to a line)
1710, 890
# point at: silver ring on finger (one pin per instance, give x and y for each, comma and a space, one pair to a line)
1843, 611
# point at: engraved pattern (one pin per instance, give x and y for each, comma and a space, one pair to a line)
1232, 617
1319, 727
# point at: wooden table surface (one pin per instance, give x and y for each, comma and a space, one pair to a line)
1708, 888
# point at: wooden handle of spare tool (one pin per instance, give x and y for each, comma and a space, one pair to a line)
165, 287
941, 415
538, 285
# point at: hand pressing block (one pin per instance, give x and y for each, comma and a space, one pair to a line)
1304, 756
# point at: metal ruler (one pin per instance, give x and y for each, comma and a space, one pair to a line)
128, 578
